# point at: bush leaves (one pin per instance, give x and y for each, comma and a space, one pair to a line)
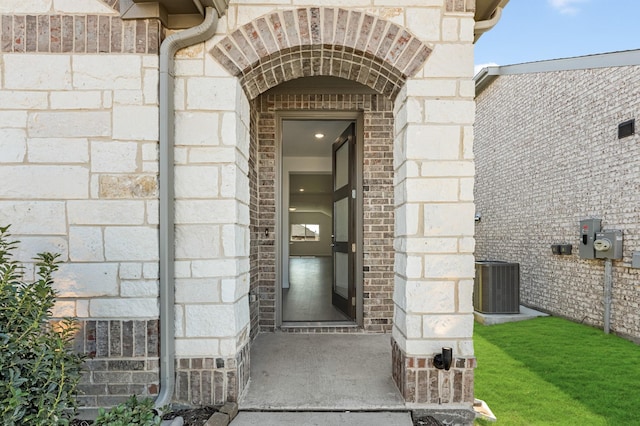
39, 372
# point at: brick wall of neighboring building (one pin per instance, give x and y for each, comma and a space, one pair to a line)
548, 155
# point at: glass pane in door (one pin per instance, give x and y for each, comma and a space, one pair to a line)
341, 220
342, 166
341, 283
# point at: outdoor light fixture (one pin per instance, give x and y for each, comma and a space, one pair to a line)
443, 360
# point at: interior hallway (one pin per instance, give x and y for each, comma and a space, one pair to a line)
308, 297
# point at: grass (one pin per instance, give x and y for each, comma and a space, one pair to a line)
550, 371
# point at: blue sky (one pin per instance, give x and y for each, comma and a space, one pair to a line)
535, 30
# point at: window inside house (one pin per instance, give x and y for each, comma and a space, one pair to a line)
305, 232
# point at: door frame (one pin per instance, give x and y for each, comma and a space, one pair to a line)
281, 207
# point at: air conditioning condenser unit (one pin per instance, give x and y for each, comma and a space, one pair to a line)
496, 289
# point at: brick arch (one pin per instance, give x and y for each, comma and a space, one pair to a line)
113, 4
319, 41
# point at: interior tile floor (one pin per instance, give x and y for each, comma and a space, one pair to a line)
308, 297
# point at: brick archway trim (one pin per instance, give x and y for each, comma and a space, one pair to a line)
317, 41
113, 4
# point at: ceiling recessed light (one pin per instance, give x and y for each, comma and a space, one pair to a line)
301, 190
319, 135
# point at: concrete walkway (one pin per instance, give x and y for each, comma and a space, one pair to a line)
322, 419
321, 379
492, 319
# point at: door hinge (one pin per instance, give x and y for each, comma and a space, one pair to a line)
353, 247
353, 301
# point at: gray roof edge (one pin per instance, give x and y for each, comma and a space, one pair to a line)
601, 60
485, 77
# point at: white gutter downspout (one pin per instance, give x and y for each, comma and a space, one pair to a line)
482, 27
168, 49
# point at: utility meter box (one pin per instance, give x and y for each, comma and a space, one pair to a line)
588, 229
608, 244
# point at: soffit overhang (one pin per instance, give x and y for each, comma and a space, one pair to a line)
177, 14
174, 14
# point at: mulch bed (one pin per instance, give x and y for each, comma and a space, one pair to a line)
192, 416
426, 421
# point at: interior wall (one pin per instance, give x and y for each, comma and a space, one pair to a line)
311, 248
291, 165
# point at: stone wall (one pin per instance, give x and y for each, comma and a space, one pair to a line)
434, 203
434, 169
213, 214
78, 158
548, 155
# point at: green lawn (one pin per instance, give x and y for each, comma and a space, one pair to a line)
549, 371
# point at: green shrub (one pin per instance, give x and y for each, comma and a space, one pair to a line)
39, 372
130, 412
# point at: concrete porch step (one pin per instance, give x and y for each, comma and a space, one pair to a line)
321, 372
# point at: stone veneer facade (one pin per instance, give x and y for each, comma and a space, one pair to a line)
79, 136
547, 156
78, 142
